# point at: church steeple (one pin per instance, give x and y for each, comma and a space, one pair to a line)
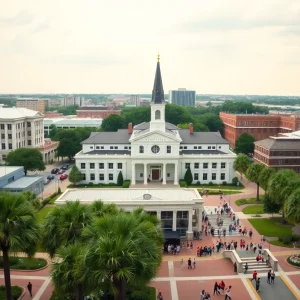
158, 90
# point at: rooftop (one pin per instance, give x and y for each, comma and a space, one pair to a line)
74, 121
280, 143
22, 182
5, 170
17, 113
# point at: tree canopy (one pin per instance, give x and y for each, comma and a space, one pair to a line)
75, 175
244, 144
31, 159
264, 177
113, 122
253, 173
242, 163
292, 207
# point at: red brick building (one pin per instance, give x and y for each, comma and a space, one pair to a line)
259, 126
96, 111
278, 153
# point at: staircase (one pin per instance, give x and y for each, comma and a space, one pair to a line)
253, 265
226, 222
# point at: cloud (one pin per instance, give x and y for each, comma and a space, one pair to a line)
43, 26
20, 19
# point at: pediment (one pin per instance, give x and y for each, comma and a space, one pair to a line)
156, 136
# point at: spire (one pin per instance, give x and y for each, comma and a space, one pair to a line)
158, 90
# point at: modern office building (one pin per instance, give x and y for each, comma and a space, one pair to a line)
155, 151
20, 128
182, 97
257, 125
135, 100
70, 100
13, 180
36, 104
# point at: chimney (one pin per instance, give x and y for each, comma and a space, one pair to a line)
191, 128
129, 128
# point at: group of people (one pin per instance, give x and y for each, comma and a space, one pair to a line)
270, 279
203, 251
173, 249
219, 289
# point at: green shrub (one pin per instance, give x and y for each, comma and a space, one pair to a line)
292, 262
198, 182
289, 238
210, 183
59, 191
188, 177
182, 183
24, 263
224, 183
90, 184
120, 179
235, 180
126, 184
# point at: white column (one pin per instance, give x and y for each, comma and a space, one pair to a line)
199, 219
189, 233
164, 174
176, 174
174, 220
145, 173
158, 214
133, 174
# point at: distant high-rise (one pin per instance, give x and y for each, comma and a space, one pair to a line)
135, 100
73, 100
182, 97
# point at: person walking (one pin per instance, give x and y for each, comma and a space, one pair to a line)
194, 263
159, 296
254, 276
216, 289
181, 264
269, 277
272, 276
189, 263
29, 287
228, 293
246, 268
257, 284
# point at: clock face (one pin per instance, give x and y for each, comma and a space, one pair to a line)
155, 149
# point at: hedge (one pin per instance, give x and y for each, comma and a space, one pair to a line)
126, 184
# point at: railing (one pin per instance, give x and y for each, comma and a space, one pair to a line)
234, 258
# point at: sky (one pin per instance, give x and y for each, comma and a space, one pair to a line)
96, 46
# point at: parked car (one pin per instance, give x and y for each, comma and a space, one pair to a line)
63, 176
61, 171
46, 181
50, 177
54, 171
65, 167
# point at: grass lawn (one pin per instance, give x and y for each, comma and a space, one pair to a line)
217, 187
253, 210
15, 290
249, 201
24, 263
270, 227
216, 192
278, 243
43, 213
54, 198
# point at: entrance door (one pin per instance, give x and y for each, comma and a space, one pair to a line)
155, 174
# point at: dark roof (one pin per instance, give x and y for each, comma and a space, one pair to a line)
201, 137
104, 152
279, 144
171, 234
201, 152
120, 137
146, 125
158, 91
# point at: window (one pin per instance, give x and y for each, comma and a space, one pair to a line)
213, 147
168, 175
180, 147
111, 147
196, 176
101, 165
168, 149
199, 147
220, 147
8, 126
102, 147
28, 124
9, 136
120, 166
129, 147
97, 147
157, 115
92, 176
2, 136
222, 176
82, 165
110, 165
195, 147
29, 142
185, 147
101, 177
125, 147
83, 177
91, 147
111, 176
223, 165
3, 146
116, 147
187, 165
196, 165
204, 176
141, 149
2, 126
205, 165
209, 147
214, 165
92, 166
213, 176
141, 175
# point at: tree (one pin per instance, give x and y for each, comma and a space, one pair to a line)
177, 114
253, 173
113, 122
292, 207
53, 132
75, 176
120, 179
123, 250
198, 127
244, 144
188, 177
210, 120
69, 143
31, 159
242, 163
265, 176
19, 231
271, 206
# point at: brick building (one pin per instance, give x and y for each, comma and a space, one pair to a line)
278, 153
35, 104
259, 126
96, 111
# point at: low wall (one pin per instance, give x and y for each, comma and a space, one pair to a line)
234, 258
273, 260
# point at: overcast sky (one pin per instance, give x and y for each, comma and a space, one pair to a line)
95, 46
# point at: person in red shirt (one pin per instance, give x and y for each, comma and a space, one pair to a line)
254, 276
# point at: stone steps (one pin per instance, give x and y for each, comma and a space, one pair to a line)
253, 265
226, 222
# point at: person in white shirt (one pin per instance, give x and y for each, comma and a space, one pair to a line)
228, 293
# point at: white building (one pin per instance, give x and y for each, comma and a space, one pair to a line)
71, 100
20, 128
156, 151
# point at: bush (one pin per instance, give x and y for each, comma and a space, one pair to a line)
24, 263
235, 180
48, 199
188, 177
90, 184
210, 183
59, 191
120, 179
182, 183
16, 292
126, 184
198, 182
224, 183
289, 238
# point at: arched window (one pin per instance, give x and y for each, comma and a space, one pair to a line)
157, 115
141, 149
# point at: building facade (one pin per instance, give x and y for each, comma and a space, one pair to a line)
97, 112
71, 100
135, 100
278, 153
20, 128
182, 97
36, 104
48, 150
155, 151
258, 126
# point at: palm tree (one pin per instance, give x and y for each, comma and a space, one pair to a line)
242, 163
19, 231
292, 207
125, 249
253, 173
265, 176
